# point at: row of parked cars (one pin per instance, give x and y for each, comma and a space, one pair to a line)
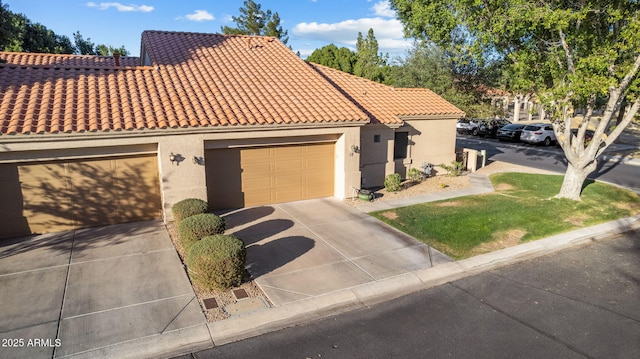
506, 131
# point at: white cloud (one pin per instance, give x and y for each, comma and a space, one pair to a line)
121, 7
200, 15
383, 8
388, 32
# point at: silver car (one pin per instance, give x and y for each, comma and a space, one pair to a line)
538, 133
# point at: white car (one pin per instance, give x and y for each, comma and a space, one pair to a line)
538, 133
468, 126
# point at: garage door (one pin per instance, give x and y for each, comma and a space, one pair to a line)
244, 177
61, 195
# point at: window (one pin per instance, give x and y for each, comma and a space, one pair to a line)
401, 142
376, 138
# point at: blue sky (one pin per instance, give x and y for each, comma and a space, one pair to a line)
311, 23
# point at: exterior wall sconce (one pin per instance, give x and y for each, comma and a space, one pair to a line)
198, 160
354, 149
176, 158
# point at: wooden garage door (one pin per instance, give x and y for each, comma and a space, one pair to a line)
244, 177
61, 195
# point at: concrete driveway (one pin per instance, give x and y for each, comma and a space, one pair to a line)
116, 291
299, 250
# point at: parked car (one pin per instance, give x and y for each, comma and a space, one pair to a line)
490, 128
588, 136
510, 132
538, 133
467, 126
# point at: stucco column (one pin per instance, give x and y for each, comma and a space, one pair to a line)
390, 166
347, 163
184, 177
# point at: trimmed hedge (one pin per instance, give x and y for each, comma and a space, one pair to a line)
415, 175
198, 226
392, 182
187, 208
217, 262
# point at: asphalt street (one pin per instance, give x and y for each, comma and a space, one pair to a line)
583, 302
551, 159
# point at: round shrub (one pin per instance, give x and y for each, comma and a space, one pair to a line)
217, 262
415, 175
198, 226
187, 208
392, 182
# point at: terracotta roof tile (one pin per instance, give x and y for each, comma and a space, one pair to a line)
386, 104
196, 80
63, 60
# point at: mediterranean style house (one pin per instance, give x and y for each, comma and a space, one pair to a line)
238, 121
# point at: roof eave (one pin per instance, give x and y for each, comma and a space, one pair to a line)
171, 131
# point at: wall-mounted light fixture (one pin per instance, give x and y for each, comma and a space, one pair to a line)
354, 149
176, 158
198, 160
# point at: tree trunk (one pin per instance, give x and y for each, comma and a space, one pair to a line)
573, 181
541, 113
516, 108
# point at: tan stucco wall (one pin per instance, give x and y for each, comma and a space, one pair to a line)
376, 158
430, 140
185, 179
434, 141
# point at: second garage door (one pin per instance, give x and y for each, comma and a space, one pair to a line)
244, 177
57, 196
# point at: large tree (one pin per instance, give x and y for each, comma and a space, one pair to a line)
330, 55
19, 34
428, 66
254, 21
369, 63
573, 54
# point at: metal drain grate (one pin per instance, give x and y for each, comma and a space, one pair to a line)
240, 293
210, 303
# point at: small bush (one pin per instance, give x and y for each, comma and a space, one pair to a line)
415, 175
217, 262
392, 182
187, 208
455, 169
196, 227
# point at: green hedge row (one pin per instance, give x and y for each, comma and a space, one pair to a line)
214, 260
187, 208
196, 227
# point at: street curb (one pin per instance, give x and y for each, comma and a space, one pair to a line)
365, 295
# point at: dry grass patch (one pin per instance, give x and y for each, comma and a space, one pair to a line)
449, 204
502, 240
577, 220
504, 187
628, 206
390, 214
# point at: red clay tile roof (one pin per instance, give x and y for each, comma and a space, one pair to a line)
196, 80
58, 60
385, 104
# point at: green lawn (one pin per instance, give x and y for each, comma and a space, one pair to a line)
520, 210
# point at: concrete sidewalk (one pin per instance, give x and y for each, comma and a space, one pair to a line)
117, 291
479, 184
363, 295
